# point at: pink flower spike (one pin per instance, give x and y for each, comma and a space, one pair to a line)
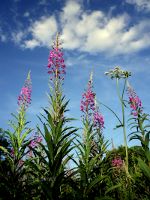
88, 99
98, 120
134, 102
35, 141
56, 62
24, 99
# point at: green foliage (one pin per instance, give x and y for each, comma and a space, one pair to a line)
51, 172
140, 129
4, 145
13, 173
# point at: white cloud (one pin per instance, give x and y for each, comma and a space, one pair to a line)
17, 36
42, 32
96, 32
106, 36
140, 4
89, 31
31, 44
71, 10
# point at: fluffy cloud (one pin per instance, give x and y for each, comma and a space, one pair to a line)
17, 37
140, 4
31, 44
96, 32
41, 32
89, 31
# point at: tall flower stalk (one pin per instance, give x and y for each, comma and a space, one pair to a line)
139, 118
24, 99
18, 139
118, 74
56, 71
56, 152
87, 106
139, 123
88, 149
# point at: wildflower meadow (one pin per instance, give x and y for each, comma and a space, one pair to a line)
58, 161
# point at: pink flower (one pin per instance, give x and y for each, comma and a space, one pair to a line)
32, 144
117, 162
89, 108
39, 139
88, 100
35, 141
56, 66
134, 101
24, 99
98, 120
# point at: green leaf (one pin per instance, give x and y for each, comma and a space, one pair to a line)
112, 112
118, 126
113, 188
144, 167
94, 182
49, 142
147, 153
24, 135
4, 149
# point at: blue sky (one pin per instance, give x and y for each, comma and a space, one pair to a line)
97, 35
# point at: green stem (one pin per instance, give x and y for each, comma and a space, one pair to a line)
112, 112
123, 122
124, 87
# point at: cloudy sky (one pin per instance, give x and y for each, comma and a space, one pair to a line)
96, 34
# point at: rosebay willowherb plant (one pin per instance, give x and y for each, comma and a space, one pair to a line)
14, 177
50, 168
118, 74
89, 151
140, 126
139, 120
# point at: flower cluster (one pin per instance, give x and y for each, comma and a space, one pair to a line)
89, 108
24, 98
56, 66
117, 162
117, 72
35, 141
98, 120
88, 99
134, 101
